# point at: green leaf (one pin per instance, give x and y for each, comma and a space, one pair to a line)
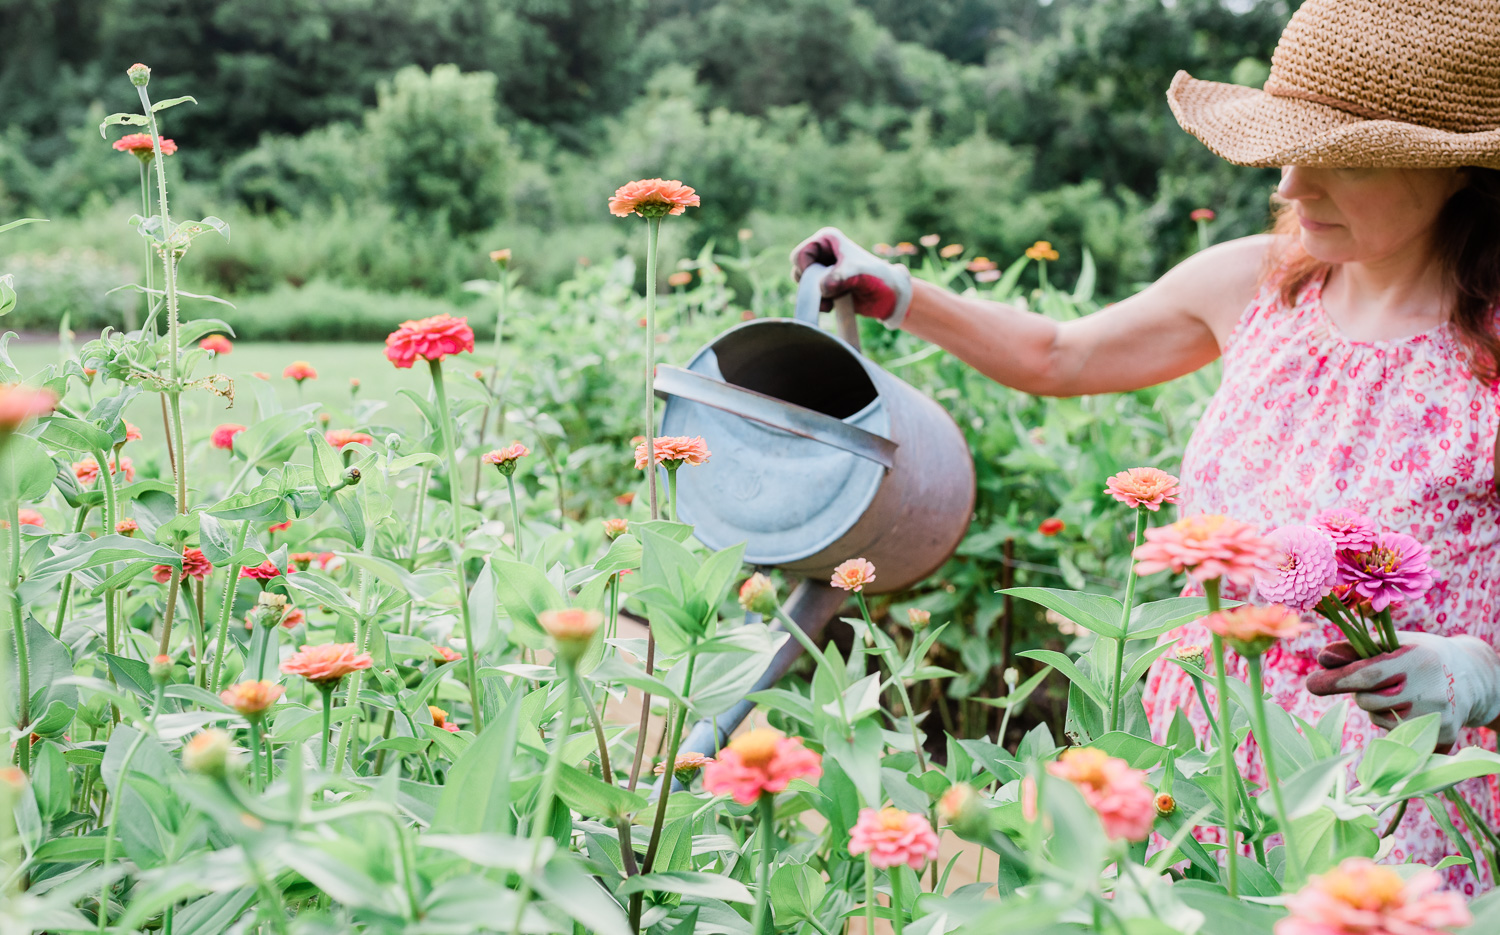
1305, 791
127, 120
590, 796
106, 549
1066, 666
1148, 621
26, 470
796, 891
76, 435
1097, 612
476, 796
67, 850
20, 222
172, 102
524, 592
1441, 771
264, 504
688, 883
328, 467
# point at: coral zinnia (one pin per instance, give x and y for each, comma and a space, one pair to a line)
1147, 487
652, 198
758, 762
615, 527
300, 370
87, 470
194, 565
758, 595
1350, 530
674, 451
327, 662
1393, 571
1125, 804
1360, 897
428, 338
1251, 630
1202, 214
1205, 546
132, 434
504, 459
19, 403
31, 518
892, 837
1303, 572
338, 438
217, 343
223, 436
251, 699
853, 575
262, 572
685, 766
570, 626
140, 146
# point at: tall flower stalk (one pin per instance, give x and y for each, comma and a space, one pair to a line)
1226, 747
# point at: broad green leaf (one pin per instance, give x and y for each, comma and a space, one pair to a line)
1148, 621
76, 435
476, 796
26, 470
1067, 667
688, 883
1097, 612
524, 592
589, 796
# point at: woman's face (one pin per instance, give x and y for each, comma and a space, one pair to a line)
1366, 215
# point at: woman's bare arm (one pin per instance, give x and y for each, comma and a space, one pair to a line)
1174, 327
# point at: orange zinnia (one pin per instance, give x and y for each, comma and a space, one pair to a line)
652, 198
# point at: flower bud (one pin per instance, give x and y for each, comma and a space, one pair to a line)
758, 595
1012, 677
1191, 654
351, 476
571, 629
1165, 804
207, 754
614, 528
686, 766
918, 618
161, 668
139, 75
500, 257
961, 809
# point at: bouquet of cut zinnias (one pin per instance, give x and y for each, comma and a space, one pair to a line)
1349, 571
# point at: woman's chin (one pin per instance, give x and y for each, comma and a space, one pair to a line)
1331, 246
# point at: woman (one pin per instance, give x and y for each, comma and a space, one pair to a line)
1360, 343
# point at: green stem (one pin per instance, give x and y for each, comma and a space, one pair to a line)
766, 809
869, 897
653, 227
1226, 751
672, 491
470, 651
515, 512
65, 592
230, 587
897, 900
900, 686
18, 628
130, 324
239, 478
1353, 631
1130, 579
109, 831
622, 822
543, 813
255, 754
676, 718
817, 653
1293, 878
326, 688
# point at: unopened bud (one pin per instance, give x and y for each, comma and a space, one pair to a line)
614, 528
918, 618
1191, 654
139, 75
351, 476
571, 629
161, 668
207, 754
1012, 677
758, 595
1165, 804
961, 809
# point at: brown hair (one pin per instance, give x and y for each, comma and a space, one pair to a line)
1466, 237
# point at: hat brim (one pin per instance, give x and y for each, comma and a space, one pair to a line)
1249, 127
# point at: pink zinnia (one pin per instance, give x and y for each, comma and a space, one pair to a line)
1350, 530
87, 470
262, 572
30, 518
300, 370
1304, 571
674, 451
223, 436
19, 403
758, 762
1253, 629
1125, 804
1360, 897
853, 575
194, 565
338, 438
1202, 214
652, 198
1147, 487
327, 662
217, 343
1205, 546
892, 837
1393, 571
428, 338
140, 146
507, 455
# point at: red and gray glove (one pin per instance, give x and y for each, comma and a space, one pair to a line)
879, 289
1456, 676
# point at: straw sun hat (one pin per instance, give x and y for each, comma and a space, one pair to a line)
1362, 84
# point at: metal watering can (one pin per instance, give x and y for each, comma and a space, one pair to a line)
819, 455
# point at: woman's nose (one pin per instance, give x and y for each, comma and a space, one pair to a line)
1296, 184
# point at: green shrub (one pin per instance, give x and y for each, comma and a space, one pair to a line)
325, 311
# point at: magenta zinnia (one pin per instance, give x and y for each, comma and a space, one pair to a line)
1392, 572
1350, 530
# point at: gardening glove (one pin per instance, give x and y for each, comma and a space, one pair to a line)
878, 289
1456, 676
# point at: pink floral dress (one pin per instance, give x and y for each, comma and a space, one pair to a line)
1306, 420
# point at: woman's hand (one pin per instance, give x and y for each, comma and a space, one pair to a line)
879, 289
1458, 677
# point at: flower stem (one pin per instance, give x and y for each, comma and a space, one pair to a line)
326, 688
18, 628
766, 808
653, 228
817, 653
255, 754
230, 587
65, 591
869, 897
622, 822
1226, 751
515, 513
1355, 632
542, 822
897, 900
470, 651
900, 685
672, 491
1293, 876
1130, 579
109, 831
676, 718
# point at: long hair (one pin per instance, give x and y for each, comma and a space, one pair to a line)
1467, 241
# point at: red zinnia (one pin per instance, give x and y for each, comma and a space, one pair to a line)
262, 572
139, 145
217, 343
223, 436
300, 370
194, 565
1051, 526
652, 198
338, 438
428, 338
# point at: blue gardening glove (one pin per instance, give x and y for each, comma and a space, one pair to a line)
878, 289
1456, 676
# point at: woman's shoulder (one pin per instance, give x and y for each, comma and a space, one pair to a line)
1219, 283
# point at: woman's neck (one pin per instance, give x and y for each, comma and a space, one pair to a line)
1387, 299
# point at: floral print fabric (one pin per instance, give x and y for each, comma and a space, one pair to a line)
1306, 420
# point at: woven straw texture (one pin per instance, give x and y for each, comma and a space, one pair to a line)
1362, 83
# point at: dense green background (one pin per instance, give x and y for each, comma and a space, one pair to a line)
387, 145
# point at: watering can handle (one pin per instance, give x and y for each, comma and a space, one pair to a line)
809, 297
776, 413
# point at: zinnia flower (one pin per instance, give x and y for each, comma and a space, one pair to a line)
918, 618
652, 198
1202, 214
758, 595
504, 459
1147, 487
338, 438
853, 575
132, 434
892, 837
680, 278
1350, 530
223, 436
674, 451
500, 256
1205, 546
615, 527
279, 527
1303, 572
625, 499
207, 753
1165, 804
300, 370
1041, 250
293, 618
447, 654
217, 343
140, 146
194, 565
570, 626
19, 403
1360, 897
906, 248
428, 338
685, 766
1191, 653
1051, 526
440, 719
262, 572
930, 240
961, 809
1393, 571
31, 518
251, 699
1251, 629
981, 264
951, 251
327, 662
1125, 804
760, 761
